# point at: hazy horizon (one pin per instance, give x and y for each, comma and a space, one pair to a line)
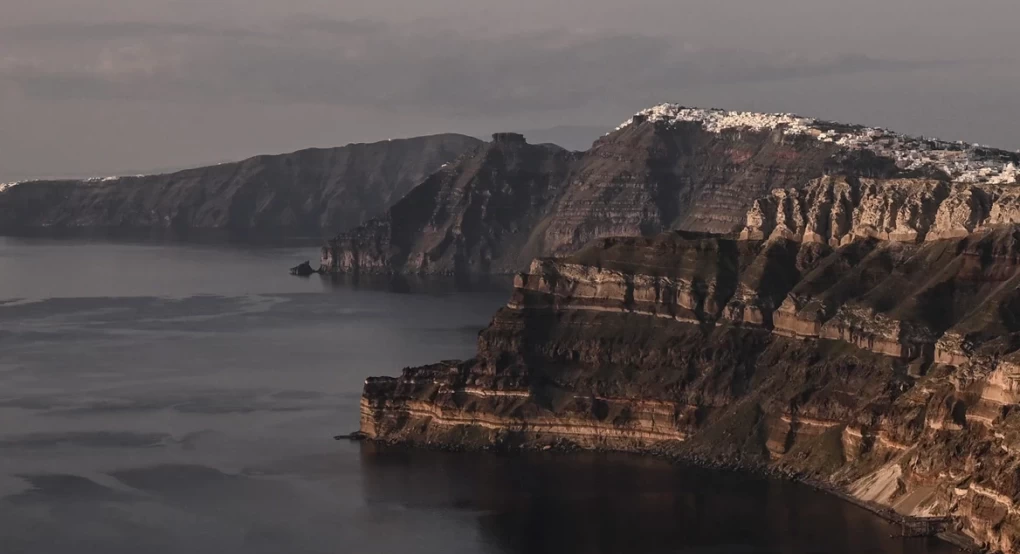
92, 87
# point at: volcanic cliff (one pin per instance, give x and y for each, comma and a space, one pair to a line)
668, 167
304, 191
858, 329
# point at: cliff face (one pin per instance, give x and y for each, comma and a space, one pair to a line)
475, 216
669, 167
649, 177
511, 201
308, 190
887, 369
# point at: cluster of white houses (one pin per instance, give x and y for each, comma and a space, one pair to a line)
962, 162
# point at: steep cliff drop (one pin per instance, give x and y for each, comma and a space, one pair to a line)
668, 167
859, 335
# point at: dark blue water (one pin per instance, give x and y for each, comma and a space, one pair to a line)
169, 398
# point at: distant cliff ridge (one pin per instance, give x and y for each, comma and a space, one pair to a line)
668, 167
309, 190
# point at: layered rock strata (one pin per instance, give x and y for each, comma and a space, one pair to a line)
886, 369
837, 210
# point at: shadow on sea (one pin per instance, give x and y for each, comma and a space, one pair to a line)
264, 238
608, 503
423, 284
268, 239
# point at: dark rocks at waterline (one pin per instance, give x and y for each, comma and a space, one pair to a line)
304, 269
356, 436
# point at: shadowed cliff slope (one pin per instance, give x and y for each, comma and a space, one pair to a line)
308, 191
475, 216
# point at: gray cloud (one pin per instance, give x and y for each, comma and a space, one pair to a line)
105, 31
104, 86
368, 63
331, 26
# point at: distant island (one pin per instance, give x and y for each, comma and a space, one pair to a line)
316, 191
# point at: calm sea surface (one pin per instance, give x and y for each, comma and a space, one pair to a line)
173, 398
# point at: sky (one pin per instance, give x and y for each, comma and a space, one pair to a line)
100, 87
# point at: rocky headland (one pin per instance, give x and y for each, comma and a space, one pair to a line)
856, 328
308, 191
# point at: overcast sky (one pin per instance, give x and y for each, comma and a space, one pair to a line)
103, 86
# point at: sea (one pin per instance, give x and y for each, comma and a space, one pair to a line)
162, 396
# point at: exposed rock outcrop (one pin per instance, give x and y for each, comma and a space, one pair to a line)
886, 369
838, 210
305, 191
304, 269
672, 167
